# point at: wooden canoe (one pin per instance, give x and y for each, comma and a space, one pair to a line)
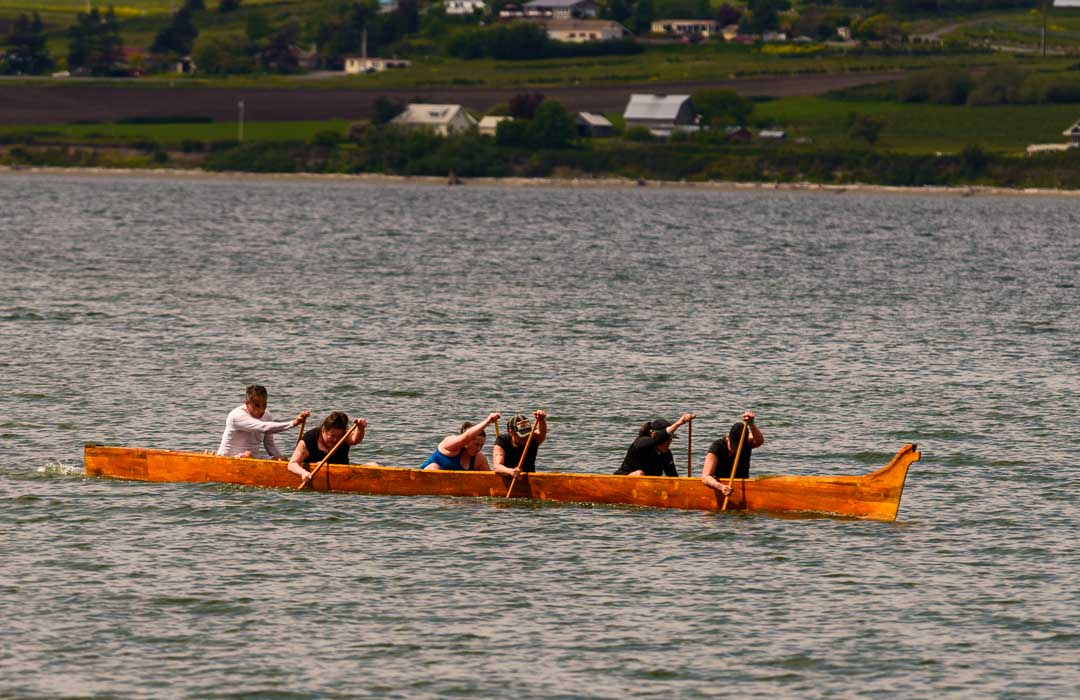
874, 496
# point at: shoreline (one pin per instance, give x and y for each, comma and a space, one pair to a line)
521, 182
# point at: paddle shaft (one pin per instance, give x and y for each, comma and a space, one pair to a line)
323, 460
300, 433
735, 464
689, 448
523, 454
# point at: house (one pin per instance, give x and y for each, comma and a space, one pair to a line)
1073, 132
844, 33
661, 114
580, 31
773, 37
489, 125
686, 27
772, 134
355, 65
185, 65
465, 7
442, 119
562, 9
511, 11
729, 32
593, 125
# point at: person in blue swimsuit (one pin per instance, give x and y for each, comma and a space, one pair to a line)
463, 451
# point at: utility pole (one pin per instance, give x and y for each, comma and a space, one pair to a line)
1042, 35
240, 121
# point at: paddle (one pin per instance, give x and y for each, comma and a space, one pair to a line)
523, 453
689, 447
735, 464
300, 433
323, 461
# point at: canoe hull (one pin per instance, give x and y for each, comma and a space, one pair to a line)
874, 496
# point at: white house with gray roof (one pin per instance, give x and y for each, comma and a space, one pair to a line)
442, 119
661, 114
562, 9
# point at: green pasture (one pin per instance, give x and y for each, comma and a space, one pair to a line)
907, 128
660, 65
169, 135
921, 128
1014, 28
124, 8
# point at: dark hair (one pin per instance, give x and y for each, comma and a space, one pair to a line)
645, 429
335, 421
255, 391
735, 434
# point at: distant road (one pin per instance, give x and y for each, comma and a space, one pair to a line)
70, 101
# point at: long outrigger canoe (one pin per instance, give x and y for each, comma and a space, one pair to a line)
874, 496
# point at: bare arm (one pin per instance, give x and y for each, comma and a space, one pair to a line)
452, 444
296, 462
356, 435
541, 426
683, 419
756, 438
498, 459
708, 475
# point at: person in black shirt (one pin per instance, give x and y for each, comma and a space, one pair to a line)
315, 443
506, 454
650, 454
722, 453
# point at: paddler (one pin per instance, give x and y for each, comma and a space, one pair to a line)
509, 447
650, 453
463, 451
317, 442
722, 452
250, 426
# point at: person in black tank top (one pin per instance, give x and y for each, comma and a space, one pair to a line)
316, 442
506, 454
721, 455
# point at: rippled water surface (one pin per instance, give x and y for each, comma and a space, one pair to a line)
133, 312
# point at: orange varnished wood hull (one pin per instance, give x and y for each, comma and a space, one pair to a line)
875, 496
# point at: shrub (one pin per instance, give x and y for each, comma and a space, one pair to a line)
552, 127
512, 133
327, 138
639, 133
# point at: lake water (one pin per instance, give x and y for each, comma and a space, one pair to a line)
134, 311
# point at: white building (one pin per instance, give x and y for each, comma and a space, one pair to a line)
442, 119
562, 9
579, 31
489, 125
465, 7
686, 27
661, 114
355, 65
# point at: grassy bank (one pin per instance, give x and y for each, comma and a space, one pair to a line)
820, 122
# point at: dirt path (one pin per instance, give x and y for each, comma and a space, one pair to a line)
69, 102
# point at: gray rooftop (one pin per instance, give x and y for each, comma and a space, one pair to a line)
665, 107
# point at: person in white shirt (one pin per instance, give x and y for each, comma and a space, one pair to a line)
250, 426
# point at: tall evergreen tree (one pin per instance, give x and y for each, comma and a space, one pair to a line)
28, 54
642, 18
94, 42
178, 36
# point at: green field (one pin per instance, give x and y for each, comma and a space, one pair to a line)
907, 128
170, 135
922, 128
